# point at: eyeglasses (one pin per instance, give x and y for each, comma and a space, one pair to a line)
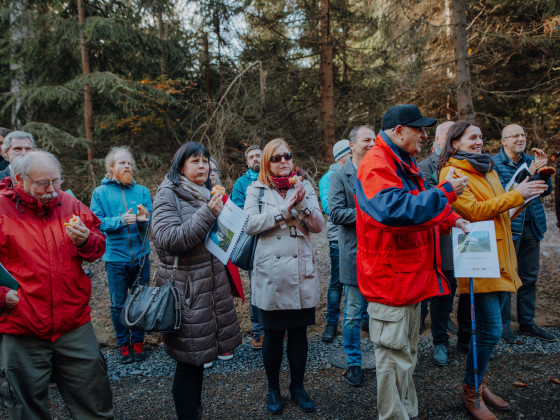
278, 158
215, 171
43, 184
516, 136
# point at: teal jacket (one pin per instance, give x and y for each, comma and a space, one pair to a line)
109, 202
324, 184
239, 193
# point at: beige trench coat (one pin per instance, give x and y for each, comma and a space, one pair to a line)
284, 274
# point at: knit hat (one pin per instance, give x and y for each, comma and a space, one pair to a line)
341, 148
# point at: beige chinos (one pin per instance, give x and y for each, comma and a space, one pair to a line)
76, 365
394, 333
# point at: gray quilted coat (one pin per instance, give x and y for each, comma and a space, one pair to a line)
209, 325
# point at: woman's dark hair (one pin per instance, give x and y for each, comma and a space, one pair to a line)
185, 151
455, 133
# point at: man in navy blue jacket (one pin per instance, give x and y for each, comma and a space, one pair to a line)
528, 229
124, 209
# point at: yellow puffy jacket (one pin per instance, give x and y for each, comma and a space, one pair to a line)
485, 199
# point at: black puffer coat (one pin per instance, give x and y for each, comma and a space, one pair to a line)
209, 325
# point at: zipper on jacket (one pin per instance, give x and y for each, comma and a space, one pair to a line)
127, 226
505, 224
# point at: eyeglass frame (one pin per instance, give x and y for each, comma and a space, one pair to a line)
55, 183
516, 136
278, 158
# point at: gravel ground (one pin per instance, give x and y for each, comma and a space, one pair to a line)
236, 388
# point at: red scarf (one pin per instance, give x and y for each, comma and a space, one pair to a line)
282, 183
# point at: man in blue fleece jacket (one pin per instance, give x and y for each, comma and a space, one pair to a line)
124, 209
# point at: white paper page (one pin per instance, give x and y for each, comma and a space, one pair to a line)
475, 254
223, 236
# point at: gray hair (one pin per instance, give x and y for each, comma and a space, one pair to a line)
23, 164
353, 136
4, 131
16, 135
218, 180
110, 159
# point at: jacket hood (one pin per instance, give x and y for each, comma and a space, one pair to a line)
385, 143
462, 164
106, 181
334, 167
22, 199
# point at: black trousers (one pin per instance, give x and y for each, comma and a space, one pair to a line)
187, 390
296, 350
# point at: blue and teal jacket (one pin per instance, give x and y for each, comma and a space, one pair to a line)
239, 193
109, 202
506, 168
324, 184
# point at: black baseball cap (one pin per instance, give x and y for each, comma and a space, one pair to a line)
405, 115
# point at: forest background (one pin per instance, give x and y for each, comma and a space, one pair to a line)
86, 75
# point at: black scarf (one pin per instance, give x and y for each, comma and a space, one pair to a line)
481, 162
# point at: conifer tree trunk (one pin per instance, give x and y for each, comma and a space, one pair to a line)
462, 71
327, 81
88, 104
18, 32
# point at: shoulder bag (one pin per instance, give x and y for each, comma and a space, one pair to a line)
153, 309
244, 251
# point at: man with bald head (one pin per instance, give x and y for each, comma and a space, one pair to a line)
45, 323
528, 229
441, 306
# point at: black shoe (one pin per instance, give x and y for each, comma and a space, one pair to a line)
354, 375
364, 326
451, 327
508, 336
303, 400
534, 331
462, 348
329, 333
274, 402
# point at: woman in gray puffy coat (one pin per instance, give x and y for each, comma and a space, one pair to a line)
183, 213
284, 281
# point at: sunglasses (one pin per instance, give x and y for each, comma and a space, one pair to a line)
278, 158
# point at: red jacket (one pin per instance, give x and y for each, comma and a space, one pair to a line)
54, 291
398, 226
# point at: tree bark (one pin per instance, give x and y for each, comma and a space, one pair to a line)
18, 32
465, 106
161, 33
327, 81
88, 104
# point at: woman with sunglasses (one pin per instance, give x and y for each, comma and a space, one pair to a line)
283, 211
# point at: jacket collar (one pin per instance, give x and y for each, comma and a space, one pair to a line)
23, 200
384, 142
252, 175
507, 160
349, 168
107, 181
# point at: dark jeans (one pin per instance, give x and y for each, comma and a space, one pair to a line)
121, 277
296, 350
488, 307
187, 390
440, 307
528, 250
255, 316
334, 294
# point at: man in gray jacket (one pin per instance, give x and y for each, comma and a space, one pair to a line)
440, 306
342, 212
341, 153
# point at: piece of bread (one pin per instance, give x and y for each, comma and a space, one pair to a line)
218, 189
294, 179
75, 220
546, 171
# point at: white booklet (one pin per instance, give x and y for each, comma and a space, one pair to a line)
475, 254
225, 233
515, 180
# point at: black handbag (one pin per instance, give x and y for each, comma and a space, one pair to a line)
153, 309
243, 252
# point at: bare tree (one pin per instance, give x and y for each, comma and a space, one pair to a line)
327, 81
462, 70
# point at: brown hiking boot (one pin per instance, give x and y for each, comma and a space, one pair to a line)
256, 342
468, 400
491, 399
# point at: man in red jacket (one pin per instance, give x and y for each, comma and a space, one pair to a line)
398, 260
45, 325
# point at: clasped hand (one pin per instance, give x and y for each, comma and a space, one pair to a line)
298, 196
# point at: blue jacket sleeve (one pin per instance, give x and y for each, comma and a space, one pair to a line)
238, 194
324, 184
146, 202
108, 224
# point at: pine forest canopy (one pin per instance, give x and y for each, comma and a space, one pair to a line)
233, 73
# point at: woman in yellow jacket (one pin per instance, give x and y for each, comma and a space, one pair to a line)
485, 199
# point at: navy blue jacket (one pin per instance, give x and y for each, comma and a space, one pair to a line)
505, 169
